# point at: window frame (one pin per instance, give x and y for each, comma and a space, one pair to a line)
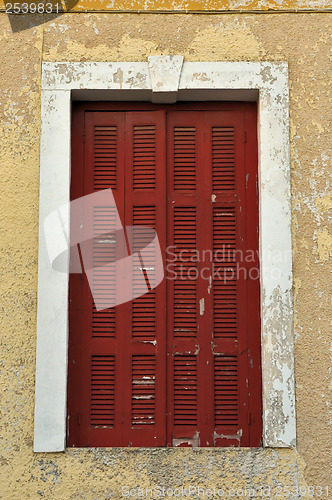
169, 79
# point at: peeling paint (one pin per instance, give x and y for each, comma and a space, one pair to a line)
210, 284
192, 6
231, 437
201, 306
194, 442
324, 244
300, 39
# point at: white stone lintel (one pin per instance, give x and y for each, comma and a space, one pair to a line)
165, 72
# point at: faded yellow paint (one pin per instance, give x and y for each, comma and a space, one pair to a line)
324, 203
324, 245
300, 39
236, 42
130, 48
183, 5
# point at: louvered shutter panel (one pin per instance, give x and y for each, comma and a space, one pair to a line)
185, 362
230, 339
121, 353
122, 365
145, 205
207, 368
94, 392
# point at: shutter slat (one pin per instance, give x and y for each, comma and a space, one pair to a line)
225, 286
105, 157
144, 157
223, 159
102, 402
226, 392
184, 158
184, 298
185, 390
144, 307
104, 252
143, 390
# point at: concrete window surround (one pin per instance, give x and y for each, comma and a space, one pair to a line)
168, 79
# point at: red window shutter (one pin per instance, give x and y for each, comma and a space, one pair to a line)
145, 318
230, 348
201, 354
117, 355
183, 292
208, 323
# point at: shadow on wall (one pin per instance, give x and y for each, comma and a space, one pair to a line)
22, 21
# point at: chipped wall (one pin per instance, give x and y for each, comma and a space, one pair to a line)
187, 6
303, 41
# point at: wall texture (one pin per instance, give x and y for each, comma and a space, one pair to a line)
303, 41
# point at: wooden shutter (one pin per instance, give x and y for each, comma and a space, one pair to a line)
117, 359
230, 342
185, 376
145, 205
130, 384
208, 365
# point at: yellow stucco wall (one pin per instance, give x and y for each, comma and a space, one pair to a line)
183, 5
301, 39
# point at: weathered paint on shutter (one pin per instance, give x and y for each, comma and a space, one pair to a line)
120, 353
230, 348
207, 329
145, 205
118, 357
185, 391
93, 390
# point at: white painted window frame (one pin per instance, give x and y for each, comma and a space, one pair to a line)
168, 79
